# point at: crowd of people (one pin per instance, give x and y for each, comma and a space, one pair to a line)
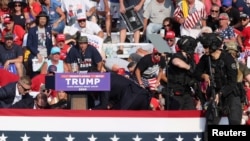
206, 38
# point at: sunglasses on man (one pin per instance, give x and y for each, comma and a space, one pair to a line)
23, 87
82, 20
157, 54
243, 19
215, 11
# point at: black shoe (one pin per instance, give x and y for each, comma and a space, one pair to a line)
127, 40
119, 51
108, 39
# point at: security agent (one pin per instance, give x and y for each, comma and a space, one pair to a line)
124, 95
180, 70
224, 72
243, 72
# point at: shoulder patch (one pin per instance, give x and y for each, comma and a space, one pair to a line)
234, 66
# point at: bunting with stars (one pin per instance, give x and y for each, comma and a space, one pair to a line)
80, 125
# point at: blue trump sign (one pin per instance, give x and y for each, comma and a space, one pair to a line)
82, 81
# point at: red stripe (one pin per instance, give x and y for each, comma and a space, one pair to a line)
188, 24
177, 12
193, 18
100, 113
204, 14
197, 16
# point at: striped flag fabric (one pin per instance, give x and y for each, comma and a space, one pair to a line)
84, 125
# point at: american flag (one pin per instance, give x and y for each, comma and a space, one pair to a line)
84, 125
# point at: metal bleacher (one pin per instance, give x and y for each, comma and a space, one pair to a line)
128, 48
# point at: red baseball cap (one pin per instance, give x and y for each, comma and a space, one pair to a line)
223, 16
155, 51
60, 38
121, 71
170, 35
7, 20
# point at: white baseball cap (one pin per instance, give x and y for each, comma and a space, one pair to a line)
81, 16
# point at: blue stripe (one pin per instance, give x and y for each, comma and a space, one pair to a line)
101, 136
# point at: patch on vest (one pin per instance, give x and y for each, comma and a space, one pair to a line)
234, 66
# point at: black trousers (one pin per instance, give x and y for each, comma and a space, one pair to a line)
232, 106
181, 102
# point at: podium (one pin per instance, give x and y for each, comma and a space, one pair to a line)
77, 85
78, 101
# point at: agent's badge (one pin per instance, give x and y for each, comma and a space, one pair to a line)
234, 66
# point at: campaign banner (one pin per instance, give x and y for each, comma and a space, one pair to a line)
82, 81
106, 125
94, 40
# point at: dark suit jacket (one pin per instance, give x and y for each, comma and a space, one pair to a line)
27, 102
7, 94
32, 41
124, 95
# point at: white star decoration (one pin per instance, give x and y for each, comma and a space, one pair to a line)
92, 138
197, 138
3, 137
47, 138
69, 138
25, 137
137, 138
159, 138
179, 138
114, 138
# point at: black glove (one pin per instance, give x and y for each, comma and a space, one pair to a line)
192, 67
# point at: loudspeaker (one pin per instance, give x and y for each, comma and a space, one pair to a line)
50, 82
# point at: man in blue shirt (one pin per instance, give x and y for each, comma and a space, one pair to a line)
11, 55
87, 57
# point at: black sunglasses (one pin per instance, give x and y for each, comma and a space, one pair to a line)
159, 54
243, 19
17, 5
167, 25
83, 20
23, 87
215, 11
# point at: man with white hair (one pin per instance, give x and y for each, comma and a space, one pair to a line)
213, 19
225, 30
199, 48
